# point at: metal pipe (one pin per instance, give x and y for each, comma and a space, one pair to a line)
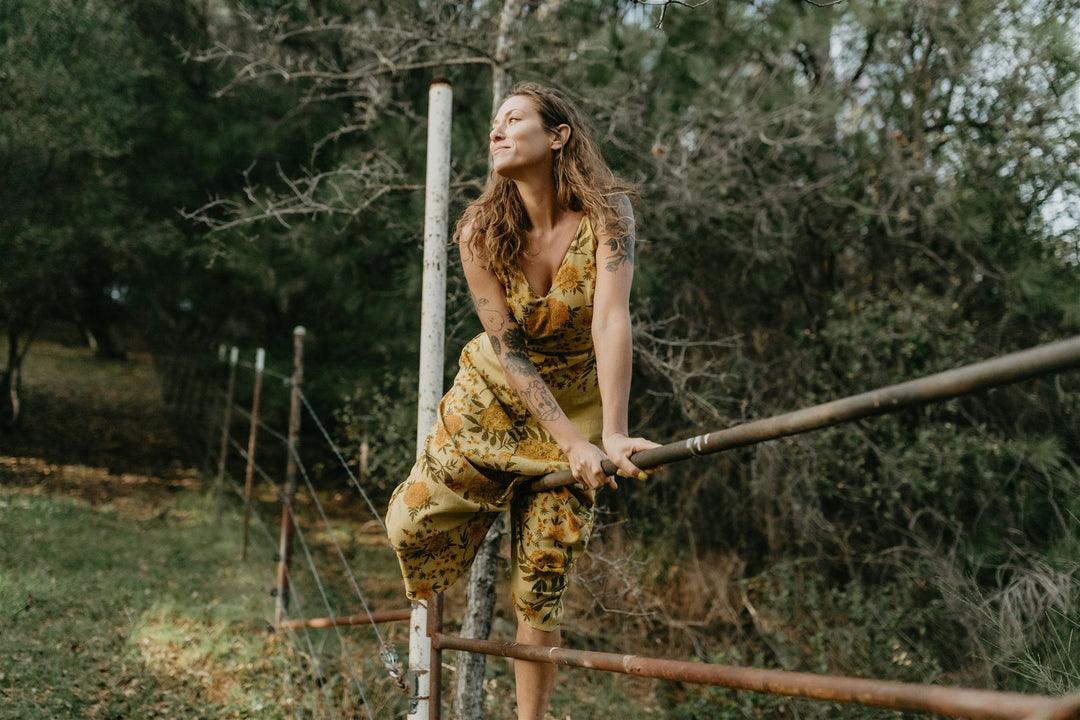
423, 658
348, 620
434, 627
288, 526
436, 224
909, 697
226, 423
253, 433
1067, 708
1007, 369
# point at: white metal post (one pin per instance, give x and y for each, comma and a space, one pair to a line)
253, 434
424, 663
219, 485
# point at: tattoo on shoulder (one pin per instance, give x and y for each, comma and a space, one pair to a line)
622, 251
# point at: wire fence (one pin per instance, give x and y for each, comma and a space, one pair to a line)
334, 674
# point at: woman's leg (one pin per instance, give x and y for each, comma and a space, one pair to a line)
549, 531
434, 528
534, 680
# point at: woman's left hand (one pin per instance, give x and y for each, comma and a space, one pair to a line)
619, 448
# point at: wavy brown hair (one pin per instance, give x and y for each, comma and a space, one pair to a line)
583, 183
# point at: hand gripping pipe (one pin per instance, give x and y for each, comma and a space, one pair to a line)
1004, 370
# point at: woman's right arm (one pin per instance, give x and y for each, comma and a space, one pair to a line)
508, 342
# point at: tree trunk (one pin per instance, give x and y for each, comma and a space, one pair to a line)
9, 382
480, 605
504, 49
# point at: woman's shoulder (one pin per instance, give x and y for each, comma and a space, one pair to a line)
465, 230
622, 205
613, 218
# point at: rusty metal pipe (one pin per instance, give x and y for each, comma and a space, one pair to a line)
288, 521
1007, 369
346, 620
909, 697
1067, 708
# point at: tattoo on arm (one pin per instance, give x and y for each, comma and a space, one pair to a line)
483, 311
622, 248
536, 394
622, 251
517, 355
540, 401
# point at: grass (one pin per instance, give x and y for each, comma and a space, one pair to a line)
110, 616
122, 592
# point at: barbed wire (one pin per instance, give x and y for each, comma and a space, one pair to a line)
316, 576
387, 653
302, 468
337, 547
341, 459
290, 637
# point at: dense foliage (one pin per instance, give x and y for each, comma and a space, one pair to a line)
833, 199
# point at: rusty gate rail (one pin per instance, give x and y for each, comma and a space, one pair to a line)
911, 697
368, 618
1004, 370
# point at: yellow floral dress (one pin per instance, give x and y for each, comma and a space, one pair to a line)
485, 444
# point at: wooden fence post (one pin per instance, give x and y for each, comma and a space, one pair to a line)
287, 522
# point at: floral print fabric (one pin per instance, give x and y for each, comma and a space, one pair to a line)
486, 444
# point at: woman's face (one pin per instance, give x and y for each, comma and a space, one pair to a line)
519, 142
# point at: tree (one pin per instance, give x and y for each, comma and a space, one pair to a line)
107, 133
67, 89
858, 200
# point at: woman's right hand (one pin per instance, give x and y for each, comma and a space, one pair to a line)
586, 465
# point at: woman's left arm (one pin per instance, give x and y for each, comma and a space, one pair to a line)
611, 334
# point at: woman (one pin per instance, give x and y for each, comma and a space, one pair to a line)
548, 254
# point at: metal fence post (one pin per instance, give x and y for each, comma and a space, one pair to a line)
289, 493
425, 661
253, 432
219, 484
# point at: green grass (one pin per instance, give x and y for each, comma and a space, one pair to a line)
104, 616
122, 595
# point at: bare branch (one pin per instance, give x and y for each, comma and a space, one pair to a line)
686, 365
664, 6
352, 64
343, 192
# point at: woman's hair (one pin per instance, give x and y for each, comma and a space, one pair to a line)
497, 221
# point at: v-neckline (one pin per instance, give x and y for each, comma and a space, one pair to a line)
562, 262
